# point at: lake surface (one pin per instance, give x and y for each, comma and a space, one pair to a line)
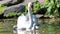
46, 26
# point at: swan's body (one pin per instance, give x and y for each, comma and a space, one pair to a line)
23, 22
26, 22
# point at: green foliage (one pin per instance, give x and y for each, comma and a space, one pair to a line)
52, 7
26, 9
48, 11
56, 12
46, 3
18, 14
36, 7
10, 14
2, 7
57, 3
14, 14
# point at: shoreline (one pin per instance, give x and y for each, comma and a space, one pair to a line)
39, 16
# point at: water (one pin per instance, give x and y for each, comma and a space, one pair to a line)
46, 26
6, 26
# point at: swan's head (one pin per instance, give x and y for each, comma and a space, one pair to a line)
30, 5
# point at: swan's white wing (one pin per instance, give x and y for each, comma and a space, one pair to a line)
22, 22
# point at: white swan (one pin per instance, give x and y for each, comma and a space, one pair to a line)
26, 22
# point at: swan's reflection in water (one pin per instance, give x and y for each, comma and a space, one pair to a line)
49, 26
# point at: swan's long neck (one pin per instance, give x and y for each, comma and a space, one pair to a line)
29, 13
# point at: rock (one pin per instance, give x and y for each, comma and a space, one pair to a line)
13, 1
15, 8
15, 29
5, 1
41, 1
0, 0
10, 2
16, 1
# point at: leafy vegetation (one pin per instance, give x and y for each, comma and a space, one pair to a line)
2, 7
52, 7
36, 7
10, 14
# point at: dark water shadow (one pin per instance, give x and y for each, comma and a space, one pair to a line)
59, 12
